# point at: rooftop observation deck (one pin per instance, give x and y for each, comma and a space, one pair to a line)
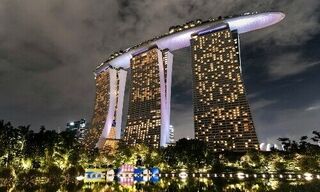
179, 36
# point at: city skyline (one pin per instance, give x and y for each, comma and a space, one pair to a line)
281, 87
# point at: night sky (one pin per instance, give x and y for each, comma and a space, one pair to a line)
49, 50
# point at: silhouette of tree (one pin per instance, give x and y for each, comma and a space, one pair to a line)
316, 137
286, 142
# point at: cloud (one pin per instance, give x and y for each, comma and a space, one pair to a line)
253, 95
312, 108
315, 106
300, 25
182, 120
261, 103
292, 123
289, 64
181, 70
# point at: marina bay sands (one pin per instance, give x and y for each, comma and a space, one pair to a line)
140, 77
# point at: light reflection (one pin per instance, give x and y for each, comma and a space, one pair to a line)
185, 183
240, 175
183, 175
308, 176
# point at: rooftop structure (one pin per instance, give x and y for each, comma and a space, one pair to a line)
179, 36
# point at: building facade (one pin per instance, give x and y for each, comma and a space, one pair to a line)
222, 116
149, 103
107, 117
80, 127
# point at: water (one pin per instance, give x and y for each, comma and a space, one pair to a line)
140, 179
205, 184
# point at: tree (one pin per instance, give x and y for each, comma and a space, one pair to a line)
7, 179
308, 164
190, 153
303, 143
286, 143
54, 175
316, 137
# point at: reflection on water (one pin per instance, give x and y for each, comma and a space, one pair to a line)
130, 178
202, 184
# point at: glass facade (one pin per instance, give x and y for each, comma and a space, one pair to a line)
222, 116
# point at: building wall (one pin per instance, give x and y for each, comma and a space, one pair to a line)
166, 115
81, 127
122, 78
222, 116
149, 106
100, 110
144, 113
110, 85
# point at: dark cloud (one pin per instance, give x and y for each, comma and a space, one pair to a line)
48, 50
30, 56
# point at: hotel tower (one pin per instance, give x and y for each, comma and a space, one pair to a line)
149, 103
222, 116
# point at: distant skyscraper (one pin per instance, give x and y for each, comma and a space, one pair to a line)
148, 116
222, 116
79, 126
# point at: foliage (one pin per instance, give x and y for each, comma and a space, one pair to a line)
44, 159
47, 160
188, 154
6, 179
29, 180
